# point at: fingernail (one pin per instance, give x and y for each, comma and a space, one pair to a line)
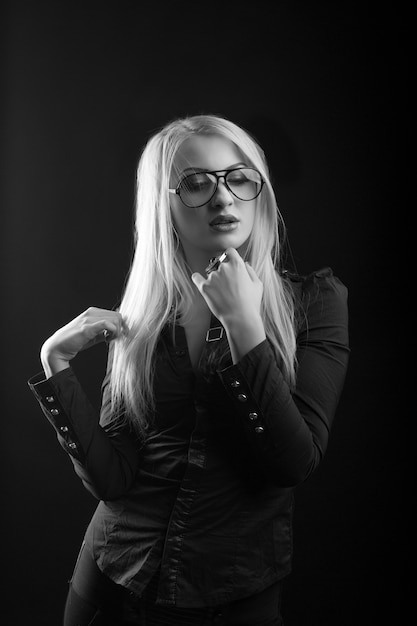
107, 336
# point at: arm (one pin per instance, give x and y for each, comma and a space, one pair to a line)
234, 293
288, 432
106, 462
104, 458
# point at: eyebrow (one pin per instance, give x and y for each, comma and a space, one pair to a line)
204, 169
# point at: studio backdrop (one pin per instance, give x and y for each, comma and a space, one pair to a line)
321, 86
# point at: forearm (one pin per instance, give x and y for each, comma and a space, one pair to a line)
288, 432
276, 431
243, 334
105, 464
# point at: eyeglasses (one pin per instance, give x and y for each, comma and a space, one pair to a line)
196, 189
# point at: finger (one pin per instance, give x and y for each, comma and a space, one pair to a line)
114, 318
198, 280
95, 312
233, 255
104, 330
107, 336
100, 331
122, 328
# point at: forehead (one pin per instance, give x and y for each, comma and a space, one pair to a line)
210, 152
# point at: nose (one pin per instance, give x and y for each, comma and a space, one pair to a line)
222, 197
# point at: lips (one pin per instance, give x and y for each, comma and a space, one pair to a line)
223, 219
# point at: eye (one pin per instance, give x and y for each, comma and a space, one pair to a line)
238, 177
244, 175
195, 182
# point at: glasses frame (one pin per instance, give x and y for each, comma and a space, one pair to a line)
218, 176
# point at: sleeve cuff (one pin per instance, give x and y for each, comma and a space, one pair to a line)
46, 391
239, 391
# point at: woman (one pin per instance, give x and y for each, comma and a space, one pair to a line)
223, 379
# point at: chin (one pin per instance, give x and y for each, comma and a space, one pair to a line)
228, 241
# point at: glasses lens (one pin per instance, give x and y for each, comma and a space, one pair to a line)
197, 189
245, 183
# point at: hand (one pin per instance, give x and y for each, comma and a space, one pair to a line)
81, 333
233, 292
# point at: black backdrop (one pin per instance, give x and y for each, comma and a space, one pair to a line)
323, 87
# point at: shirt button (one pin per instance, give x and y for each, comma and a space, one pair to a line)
180, 353
235, 383
253, 416
242, 397
259, 430
54, 412
63, 429
50, 399
72, 445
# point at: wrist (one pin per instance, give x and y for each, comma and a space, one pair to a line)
241, 322
244, 334
52, 362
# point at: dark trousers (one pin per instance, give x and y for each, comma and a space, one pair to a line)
94, 600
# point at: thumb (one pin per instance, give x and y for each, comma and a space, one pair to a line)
198, 280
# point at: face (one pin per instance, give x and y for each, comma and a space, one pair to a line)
224, 221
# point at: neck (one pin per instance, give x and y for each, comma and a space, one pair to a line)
197, 260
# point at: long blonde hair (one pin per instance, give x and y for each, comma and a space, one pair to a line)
158, 285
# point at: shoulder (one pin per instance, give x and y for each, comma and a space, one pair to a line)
320, 297
317, 284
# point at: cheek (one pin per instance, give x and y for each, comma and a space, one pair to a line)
185, 223
176, 216
250, 216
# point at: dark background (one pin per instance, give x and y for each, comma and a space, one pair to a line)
323, 86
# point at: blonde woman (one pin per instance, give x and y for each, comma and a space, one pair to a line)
224, 375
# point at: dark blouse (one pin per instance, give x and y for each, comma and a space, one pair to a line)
207, 496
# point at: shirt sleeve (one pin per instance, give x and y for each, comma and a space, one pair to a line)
106, 462
287, 429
